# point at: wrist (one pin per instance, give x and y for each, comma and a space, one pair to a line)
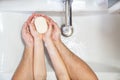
47, 40
37, 38
28, 50
38, 42
28, 46
57, 41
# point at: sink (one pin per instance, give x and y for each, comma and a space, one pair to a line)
95, 39
95, 42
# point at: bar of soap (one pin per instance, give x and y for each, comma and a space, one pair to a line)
41, 24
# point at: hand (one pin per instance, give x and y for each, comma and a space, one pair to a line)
26, 36
35, 34
33, 30
47, 36
56, 32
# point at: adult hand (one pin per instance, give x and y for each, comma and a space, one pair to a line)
26, 36
56, 33
34, 33
53, 33
33, 30
47, 36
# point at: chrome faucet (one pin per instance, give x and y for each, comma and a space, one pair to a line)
67, 28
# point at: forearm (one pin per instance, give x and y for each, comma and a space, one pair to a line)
25, 68
57, 62
79, 70
39, 60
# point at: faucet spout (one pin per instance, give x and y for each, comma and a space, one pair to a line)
67, 28
68, 12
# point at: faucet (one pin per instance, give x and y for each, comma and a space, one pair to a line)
67, 28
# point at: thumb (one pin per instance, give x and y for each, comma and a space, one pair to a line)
32, 28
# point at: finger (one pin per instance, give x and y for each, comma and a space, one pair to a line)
43, 15
32, 28
31, 17
28, 29
38, 15
55, 26
49, 27
32, 22
24, 28
48, 18
47, 22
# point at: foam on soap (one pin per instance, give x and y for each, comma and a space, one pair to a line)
41, 24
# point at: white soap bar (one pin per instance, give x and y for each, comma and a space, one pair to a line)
41, 24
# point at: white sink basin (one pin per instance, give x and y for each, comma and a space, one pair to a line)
95, 40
